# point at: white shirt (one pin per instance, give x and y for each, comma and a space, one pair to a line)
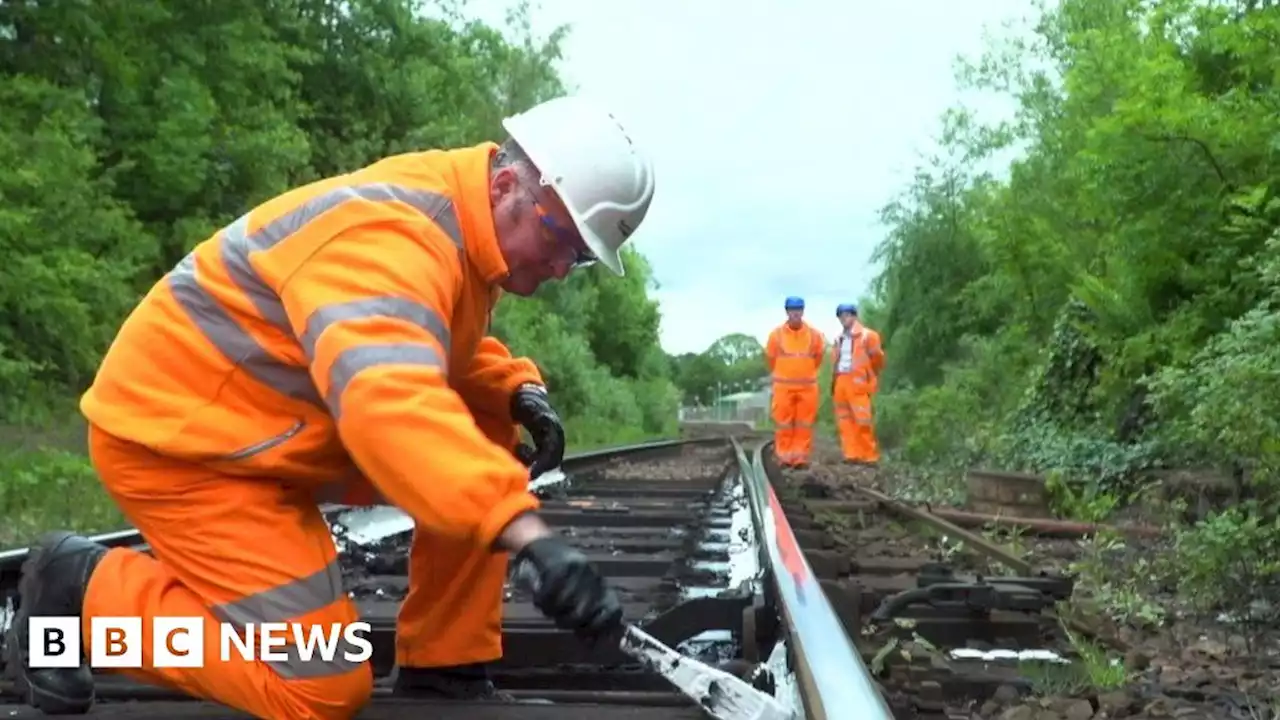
844, 363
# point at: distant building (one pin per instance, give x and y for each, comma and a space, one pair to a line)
744, 406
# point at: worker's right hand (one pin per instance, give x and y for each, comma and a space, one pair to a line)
568, 589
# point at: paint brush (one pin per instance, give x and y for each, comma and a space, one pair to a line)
721, 696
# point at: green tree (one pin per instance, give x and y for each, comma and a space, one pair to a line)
1101, 307
134, 130
734, 360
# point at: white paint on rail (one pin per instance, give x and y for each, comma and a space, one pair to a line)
785, 688
742, 570
1018, 655
744, 558
6, 617
371, 525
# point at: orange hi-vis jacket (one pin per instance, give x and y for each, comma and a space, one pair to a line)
866, 359
337, 330
794, 356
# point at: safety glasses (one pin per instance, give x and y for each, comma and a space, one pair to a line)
560, 235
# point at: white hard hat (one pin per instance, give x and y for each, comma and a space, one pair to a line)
586, 155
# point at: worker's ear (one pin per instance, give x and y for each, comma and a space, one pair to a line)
503, 183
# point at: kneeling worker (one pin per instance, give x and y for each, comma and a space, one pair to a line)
338, 333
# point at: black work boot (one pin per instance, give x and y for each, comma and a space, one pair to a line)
54, 577
455, 682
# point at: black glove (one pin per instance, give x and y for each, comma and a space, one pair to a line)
525, 454
530, 408
568, 589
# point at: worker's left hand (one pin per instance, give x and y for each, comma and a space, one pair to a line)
531, 408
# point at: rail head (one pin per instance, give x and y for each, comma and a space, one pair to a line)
832, 680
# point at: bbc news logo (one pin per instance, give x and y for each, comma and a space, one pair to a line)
116, 642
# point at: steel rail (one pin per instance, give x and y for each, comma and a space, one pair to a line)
11, 560
832, 680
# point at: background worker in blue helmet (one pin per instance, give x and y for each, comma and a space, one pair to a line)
794, 354
856, 362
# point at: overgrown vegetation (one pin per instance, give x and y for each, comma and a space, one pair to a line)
1111, 305
132, 131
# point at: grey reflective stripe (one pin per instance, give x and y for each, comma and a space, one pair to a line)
237, 243
297, 667
354, 360
285, 602
294, 665
236, 345
434, 205
391, 307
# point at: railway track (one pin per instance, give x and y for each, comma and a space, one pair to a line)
945, 618
709, 558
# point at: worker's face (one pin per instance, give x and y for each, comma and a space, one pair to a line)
794, 317
538, 239
847, 319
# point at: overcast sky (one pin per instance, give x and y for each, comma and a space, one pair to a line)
778, 129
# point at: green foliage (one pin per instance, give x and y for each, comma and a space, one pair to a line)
70, 247
51, 487
1112, 304
595, 337
1109, 305
132, 130
1118, 581
734, 363
1222, 403
1231, 561
1090, 503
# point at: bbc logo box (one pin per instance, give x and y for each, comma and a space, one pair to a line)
117, 642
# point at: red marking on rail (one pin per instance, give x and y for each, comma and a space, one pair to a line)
788, 548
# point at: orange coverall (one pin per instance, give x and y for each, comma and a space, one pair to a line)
856, 362
794, 357
336, 332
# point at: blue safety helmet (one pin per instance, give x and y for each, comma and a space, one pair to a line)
794, 303
846, 308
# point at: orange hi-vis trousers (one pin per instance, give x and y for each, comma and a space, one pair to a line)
794, 410
854, 419
253, 550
